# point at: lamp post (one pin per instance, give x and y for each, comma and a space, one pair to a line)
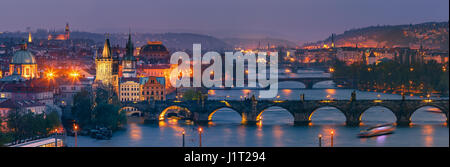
320, 140
332, 134
183, 138
75, 128
200, 135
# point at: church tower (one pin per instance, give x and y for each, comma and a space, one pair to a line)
30, 40
105, 64
67, 32
129, 61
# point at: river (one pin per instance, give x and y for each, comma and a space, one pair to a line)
428, 129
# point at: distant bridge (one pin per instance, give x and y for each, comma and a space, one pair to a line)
251, 110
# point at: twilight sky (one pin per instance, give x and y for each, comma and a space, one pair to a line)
296, 20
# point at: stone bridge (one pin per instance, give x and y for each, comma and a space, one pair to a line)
301, 110
309, 82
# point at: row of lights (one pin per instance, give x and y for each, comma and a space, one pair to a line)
50, 74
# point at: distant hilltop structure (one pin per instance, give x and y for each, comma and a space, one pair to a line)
432, 35
61, 37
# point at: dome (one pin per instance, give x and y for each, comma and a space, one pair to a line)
23, 57
153, 47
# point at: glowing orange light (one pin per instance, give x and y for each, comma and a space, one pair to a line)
74, 74
200, 130
331, 69
332, 132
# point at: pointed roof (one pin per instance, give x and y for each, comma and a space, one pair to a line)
130, 50
106, 49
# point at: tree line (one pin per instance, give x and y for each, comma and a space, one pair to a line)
27, 125
101, 109
390, 75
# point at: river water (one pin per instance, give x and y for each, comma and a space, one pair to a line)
429, 128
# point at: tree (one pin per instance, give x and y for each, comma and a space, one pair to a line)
108, 115
81, 108
192, 94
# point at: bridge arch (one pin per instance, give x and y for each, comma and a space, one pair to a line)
162, 114
291, 85
364, 111
131, 110
210, 115
440, 109
315, 84
311, 113
259, 116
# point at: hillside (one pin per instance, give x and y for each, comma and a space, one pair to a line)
252, 43
432, 35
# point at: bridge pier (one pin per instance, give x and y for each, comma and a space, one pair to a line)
308, 85
301, 119
352, 123
201, 117
352, 120
249, 118
403, 121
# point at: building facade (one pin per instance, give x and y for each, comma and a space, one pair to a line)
107, 67
153, 88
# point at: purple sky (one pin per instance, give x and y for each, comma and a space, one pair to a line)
296, 20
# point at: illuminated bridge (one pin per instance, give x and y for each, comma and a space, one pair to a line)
251, 109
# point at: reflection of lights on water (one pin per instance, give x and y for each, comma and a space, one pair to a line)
135, 132
287, 91
172, 121
428, 131
381, 139
211, 92
246, 91
330, 91
278, 134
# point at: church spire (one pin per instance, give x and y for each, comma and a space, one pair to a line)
130, 47
106, 48
30, 40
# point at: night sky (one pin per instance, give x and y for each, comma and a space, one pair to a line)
301, 21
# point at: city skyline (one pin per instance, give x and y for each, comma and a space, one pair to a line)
313, 20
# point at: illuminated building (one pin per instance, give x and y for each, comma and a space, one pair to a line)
154, 52
61, 37
129, 89
129, 61
23, 63
158, 70
152, 88
30, 40
107, 67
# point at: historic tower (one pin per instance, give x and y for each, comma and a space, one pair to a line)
67, 32
105, 67
129, 61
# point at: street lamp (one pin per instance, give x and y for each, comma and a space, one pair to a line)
75, 128
183, 138
332, 134
320, 140
200, 135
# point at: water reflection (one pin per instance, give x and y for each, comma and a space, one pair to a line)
428, 131
277, 129
135, 131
